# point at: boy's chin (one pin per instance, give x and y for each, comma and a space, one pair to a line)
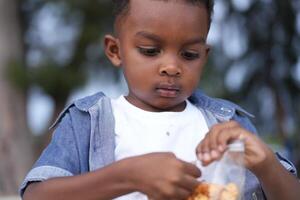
157, 103
167, 105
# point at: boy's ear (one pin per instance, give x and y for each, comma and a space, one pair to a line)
207, 50
206, 54
112, 50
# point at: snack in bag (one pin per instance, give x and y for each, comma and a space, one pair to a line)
223, 179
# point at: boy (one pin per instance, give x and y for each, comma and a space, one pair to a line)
141, 145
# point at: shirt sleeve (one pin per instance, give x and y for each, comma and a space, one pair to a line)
60, 158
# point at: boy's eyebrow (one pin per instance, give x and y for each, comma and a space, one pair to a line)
199, 40
149, 36
156, 38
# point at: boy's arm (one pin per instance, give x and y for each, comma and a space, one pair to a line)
106, 183
277, 182
158, 175
276, 178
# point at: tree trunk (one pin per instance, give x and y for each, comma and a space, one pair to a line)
15, 142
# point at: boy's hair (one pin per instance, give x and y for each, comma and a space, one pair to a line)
121, 7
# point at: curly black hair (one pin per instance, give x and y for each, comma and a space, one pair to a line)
121, 7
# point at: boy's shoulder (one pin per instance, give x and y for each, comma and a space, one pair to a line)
81, 105
85, 103
218, 106
218, 110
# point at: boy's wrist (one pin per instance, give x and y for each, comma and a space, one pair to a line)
129, 174
277, 182
263, 171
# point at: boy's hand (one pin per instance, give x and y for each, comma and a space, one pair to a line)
162, 176
211, 148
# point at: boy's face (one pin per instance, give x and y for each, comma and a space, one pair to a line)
161, 47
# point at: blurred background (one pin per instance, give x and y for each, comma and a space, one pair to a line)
51, 53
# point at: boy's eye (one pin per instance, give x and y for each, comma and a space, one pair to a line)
188, 55
149, 51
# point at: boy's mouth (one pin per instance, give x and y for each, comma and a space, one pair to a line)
168, 90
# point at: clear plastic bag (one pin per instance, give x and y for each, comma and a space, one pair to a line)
226, 177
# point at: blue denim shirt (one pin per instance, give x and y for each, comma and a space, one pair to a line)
84, 139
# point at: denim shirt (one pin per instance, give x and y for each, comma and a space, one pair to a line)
84, 139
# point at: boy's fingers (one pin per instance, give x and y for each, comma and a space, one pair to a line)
189, 183
231, 135
225, 130
171, 192
225, 137
202, 150
209, 141
213, 134
182, 193
214, 150
191, 169
219, 130
214, 144
202, 146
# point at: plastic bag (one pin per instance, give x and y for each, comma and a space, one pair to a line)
225, 178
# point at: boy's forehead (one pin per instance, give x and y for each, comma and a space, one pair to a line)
151, 12
146, 3
168, 1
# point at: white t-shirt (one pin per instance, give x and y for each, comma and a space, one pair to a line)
140, 132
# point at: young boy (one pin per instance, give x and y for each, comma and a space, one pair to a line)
141, 145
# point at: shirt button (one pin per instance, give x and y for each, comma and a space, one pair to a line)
224, 109
254, 197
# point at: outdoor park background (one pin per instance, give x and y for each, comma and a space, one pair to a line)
51, 53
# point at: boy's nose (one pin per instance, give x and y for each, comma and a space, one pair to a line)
171, 69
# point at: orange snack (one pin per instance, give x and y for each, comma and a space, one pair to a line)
209, 191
